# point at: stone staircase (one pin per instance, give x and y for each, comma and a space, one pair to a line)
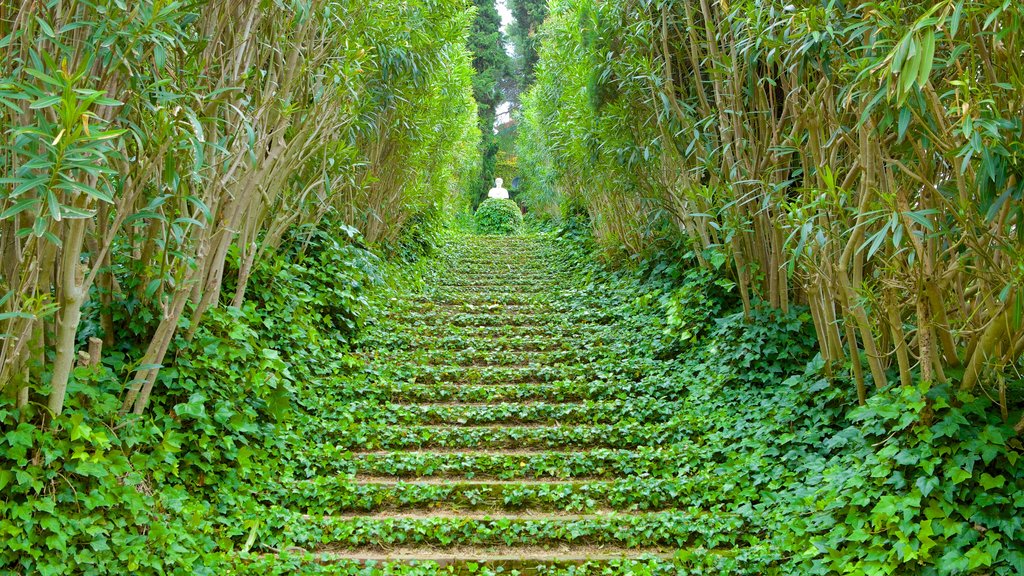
502, 426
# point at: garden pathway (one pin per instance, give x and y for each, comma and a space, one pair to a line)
507, 424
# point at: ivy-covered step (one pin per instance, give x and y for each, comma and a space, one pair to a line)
564, 331
519, 306
649, 410
477, 300
494, 283
684, 528
480, 356
644, 462
369, 437
434, 318
564, 560
559, 391
487, 290
429, 373
496, 345
485, 250
518, 255
596, 369
477, 291
332, 402
394, 344
521, 273
334, 495
537, 311
379, 388
458, 282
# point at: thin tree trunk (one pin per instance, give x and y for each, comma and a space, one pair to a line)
73, 295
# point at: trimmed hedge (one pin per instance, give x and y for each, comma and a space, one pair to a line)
498, 216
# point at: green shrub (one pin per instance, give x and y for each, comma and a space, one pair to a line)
498, 216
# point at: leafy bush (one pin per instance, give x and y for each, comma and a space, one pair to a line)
691, 308
93, 493
83, 497
925, 478
498, 216
769, 346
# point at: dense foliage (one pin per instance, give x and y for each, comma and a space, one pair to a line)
498, 216
779, 331
94, 494
493, 70
862, 159
529, 15
152, 158
178, 186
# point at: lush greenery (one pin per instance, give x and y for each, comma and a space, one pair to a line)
774, 327
529, 15
860, 159
156, 156
498, 216
179, 185
493, 73
93, 493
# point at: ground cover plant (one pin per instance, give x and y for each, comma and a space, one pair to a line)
764, 316
626, 436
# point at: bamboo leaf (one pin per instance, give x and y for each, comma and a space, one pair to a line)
996, 206
19, 207
39, 226
54, 205
30, 184
921, 217
908, 75
45, 26
144, 215
927, 57
45, 102
958, 14
10, 105
904, 122
44, 77
72, 213
900, 56
75, 186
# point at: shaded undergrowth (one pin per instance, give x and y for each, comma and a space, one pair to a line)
741, 453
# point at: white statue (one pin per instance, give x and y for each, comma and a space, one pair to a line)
498, 191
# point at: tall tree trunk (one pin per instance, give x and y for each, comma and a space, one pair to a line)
73, 295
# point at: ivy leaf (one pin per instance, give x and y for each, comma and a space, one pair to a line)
926, 484
989, 482
958, 475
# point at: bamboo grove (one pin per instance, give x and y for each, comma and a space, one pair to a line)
864, 159
151, 148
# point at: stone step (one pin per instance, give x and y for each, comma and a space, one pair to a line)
556, 331
434, 318
559, 391
647, 410
336, 495
369, 437
458, 339
517, 558
479, 357
551, 560
642, 462
498, 344
431, 374
627, 530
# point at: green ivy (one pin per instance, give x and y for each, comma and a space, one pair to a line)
498, 216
